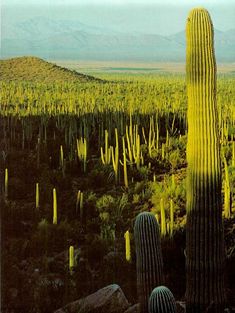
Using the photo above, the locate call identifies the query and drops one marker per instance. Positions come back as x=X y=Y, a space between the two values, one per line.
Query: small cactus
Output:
x=162 y=301
x=37 y=196
x=128 y=246
x=71 y=259
x=54 y=207
x=149 y=262
x=6 y=184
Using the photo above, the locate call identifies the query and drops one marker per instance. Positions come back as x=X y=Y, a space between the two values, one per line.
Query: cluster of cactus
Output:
x=82 y=152
x=205 y=253
x=106 y=153
x=167 y=227
x=110 y=153
x=153 y=138
x=135 y=154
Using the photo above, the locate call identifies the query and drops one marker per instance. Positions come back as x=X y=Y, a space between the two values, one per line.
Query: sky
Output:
x=162 y=17
x=120 y=2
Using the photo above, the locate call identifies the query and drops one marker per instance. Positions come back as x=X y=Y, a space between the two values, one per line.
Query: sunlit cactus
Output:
x=115 y=156
x=162 y=301
x=62 y=163
x=227 y=192
x=128 y=246
x=149 y=263
x=54 y=206
x=171 y=217
x=71 y=259
x=37 y=196
x=106 y=154
x=82 y=152
x=81 y=206
x=6 y=184
x=78 y=200
x=233 y=154
x=163 y=218
x=204 y=231
x=124 y=163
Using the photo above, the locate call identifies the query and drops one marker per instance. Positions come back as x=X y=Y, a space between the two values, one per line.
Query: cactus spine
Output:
x=162 y=301
x=149 y=262
x=204 y=231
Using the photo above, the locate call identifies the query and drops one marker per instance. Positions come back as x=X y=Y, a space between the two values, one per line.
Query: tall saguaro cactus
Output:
x=204 y=233
x=149 y=263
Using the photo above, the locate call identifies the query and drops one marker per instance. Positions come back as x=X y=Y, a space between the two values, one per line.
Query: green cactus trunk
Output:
x=149 y=263
x=205 y=261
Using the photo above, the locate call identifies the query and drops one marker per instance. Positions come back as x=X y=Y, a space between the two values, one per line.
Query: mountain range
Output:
x=64 y=39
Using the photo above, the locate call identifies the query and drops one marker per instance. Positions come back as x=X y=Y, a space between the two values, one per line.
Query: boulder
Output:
x=109 y=299
x=133 y=309
x=180 y=307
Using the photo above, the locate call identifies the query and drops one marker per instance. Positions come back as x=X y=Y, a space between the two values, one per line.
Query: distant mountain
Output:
x=224 y=44
x=52 y=39
x=37 y=70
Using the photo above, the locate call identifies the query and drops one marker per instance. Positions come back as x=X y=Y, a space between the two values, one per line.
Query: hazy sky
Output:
x=145 y=16
x=110 y=2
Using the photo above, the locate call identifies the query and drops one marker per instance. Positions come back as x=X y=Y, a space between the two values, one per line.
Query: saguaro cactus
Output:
x=204 y=231
x=71 y=259
x=149 y=262
x=54 y=206
x=128 y=246
x=162 y=301
x=6 y=185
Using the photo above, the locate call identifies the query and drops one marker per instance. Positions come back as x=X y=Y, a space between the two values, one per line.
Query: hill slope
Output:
x=37 y=70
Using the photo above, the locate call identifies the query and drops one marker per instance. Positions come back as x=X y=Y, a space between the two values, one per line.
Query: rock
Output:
x=133 y=309
x=110 y=299
x=180 y=307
